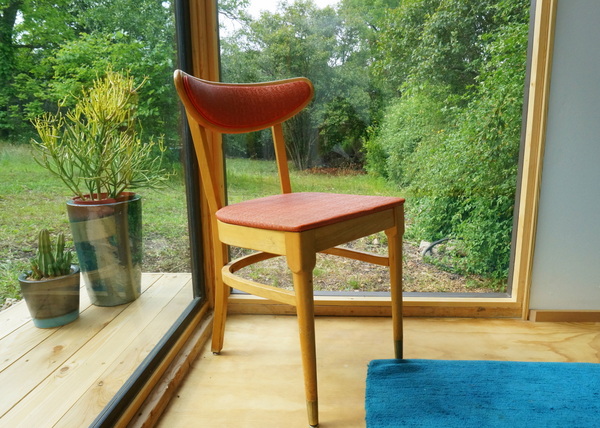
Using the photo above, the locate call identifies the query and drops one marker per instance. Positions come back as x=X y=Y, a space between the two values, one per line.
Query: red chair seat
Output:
x=297 y=212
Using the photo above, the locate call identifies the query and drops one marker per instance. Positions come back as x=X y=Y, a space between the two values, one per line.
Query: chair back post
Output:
x=207 y=146
x=281 y=157
x=208 y=169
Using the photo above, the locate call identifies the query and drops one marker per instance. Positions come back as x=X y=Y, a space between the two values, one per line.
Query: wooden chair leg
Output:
x=302 y=263
x=306 y=325
x=220 y=315
x=395 y=255
x=221 y=297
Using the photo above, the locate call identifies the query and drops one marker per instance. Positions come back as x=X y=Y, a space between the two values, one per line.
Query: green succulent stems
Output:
x=95 y=147
x=51 y=262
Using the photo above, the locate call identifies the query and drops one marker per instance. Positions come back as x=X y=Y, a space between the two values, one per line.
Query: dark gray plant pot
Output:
x=108 y=241
x=52 y=302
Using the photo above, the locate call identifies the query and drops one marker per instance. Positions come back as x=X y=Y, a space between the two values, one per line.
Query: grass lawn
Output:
x=247 y=178
x=31 y=199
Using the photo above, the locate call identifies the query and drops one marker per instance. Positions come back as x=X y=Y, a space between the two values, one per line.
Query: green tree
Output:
x=356 y=97
x=436 y=41
x=480 y=157
x=56 y=47
x=298 y=40
x=418 y=116
x=28 y=30
x=79 y=62
x=9 y=11
x=303 y=40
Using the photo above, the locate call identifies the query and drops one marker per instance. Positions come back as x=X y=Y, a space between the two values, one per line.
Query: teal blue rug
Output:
x=482 y=394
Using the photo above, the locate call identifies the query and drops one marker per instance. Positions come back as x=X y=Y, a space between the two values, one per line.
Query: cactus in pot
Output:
x=48 y=263
x=51 y=287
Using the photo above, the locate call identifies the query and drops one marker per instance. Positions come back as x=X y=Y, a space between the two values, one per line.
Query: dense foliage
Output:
x=426 y=93
x=53 y=49
x=325 y=45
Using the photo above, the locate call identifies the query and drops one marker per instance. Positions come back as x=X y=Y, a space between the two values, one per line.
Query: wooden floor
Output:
x=257 y=380
x=63 y=377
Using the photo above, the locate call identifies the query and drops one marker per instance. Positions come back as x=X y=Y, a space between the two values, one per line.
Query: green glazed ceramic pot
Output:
x=108 y=241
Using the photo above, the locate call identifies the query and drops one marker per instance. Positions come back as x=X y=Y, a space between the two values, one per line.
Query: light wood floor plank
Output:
x=116 y=374
x=11 y=320
x=57 y=393
x=47 y=356
x=103 y=345
x=16 y=336
x=257 y=382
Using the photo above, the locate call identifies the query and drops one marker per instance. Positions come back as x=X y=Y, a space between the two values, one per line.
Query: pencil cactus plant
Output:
x=51 y=262
x=95 y=147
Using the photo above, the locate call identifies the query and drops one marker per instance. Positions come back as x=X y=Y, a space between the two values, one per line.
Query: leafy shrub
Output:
x=416 y=117
x=458 y=153
x=473 y=175
x=342 y=134
x=254 y=145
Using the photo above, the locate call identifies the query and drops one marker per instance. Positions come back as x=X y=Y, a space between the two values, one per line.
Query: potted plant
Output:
x=51 y=287
x=96 y=149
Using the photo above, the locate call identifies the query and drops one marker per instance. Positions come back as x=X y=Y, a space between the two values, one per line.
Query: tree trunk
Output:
x=8 y=19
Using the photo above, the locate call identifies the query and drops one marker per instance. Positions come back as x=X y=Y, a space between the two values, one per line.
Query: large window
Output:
x=41 y=66
x=420 y=99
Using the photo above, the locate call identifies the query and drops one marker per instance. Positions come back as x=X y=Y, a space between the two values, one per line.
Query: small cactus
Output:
x=48 y=264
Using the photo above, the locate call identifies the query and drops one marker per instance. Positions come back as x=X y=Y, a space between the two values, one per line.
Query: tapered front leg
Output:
x=220 y=315
x=301 y=260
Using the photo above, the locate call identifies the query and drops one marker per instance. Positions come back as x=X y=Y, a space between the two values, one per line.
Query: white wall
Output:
x=566 y=266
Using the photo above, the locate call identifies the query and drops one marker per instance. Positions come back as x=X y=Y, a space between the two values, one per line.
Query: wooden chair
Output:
x=294 y=225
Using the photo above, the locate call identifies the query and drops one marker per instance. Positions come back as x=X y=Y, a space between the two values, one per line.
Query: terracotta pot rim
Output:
x=123 y=197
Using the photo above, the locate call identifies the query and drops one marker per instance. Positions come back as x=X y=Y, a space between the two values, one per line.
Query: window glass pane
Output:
x=421 y=99
x=55 y=51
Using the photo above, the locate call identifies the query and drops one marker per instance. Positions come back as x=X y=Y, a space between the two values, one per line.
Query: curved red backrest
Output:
x=236 y=108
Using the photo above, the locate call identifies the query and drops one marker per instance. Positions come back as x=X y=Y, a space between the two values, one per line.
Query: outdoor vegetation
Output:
x=427 y=94
x=418 y=98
